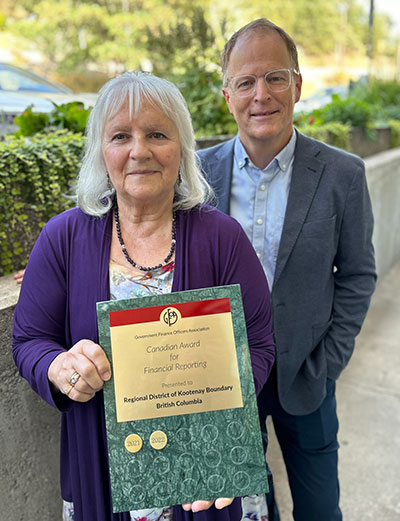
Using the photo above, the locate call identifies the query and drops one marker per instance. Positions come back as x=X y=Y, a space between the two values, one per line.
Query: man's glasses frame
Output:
x=271 y=86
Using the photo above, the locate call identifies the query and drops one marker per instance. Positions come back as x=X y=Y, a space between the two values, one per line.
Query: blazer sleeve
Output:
x=354 y=275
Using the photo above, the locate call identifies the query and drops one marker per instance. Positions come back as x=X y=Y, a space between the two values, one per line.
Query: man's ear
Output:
x=227 y=99
x=298 y=84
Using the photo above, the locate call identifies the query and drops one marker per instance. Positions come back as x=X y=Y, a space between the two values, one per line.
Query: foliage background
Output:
x=82 y=43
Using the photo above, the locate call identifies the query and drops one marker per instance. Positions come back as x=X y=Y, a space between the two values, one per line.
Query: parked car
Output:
x=20 y=88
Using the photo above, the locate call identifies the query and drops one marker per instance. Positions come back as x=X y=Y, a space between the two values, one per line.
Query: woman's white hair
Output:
x=94 y=190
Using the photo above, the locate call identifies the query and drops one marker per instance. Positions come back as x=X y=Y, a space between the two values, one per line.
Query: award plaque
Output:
x=181 y=412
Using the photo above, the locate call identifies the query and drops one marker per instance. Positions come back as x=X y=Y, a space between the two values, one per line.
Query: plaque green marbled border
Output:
x=209 y=454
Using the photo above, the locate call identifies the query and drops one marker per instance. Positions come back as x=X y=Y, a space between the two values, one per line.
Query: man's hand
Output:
x=199 y=505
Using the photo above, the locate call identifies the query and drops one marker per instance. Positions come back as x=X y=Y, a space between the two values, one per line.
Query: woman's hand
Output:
x=19 y=276
x=197 y=506
x=81 y=371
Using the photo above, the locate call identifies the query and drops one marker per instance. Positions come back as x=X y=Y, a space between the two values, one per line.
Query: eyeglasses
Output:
x=276 y=81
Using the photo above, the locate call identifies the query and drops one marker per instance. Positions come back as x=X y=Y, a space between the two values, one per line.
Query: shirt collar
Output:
x=282 y=159
x=240 y=153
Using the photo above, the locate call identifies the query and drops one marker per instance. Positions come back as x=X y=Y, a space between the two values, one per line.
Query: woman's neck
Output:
x=145 y=219
x=147 y=235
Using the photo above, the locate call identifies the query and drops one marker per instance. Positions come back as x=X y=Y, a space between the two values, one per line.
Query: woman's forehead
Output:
x=132 y=104
x=146 y=113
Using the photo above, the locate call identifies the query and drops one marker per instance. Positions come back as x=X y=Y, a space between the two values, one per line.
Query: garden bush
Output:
x=70 y=116
x=334 y=133
x=394 y=125
x=202 y=90
x=36 y=178
x=350 y=111
x=370 y=106
x=383 y=93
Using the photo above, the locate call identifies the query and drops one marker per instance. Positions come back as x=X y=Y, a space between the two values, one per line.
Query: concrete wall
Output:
x=29 y=428
x=29 y=434
x=383 y=175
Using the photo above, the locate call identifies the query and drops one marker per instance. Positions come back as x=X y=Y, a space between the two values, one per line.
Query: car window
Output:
x=10 y=80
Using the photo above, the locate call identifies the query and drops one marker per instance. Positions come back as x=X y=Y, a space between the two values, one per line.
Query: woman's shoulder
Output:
x=71 y=217
x=74 y=222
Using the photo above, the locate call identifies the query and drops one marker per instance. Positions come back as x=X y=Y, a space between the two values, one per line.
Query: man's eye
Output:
x=279 y=78
x=245 y=83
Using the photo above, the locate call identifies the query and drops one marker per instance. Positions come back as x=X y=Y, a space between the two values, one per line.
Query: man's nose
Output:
x=262 y=92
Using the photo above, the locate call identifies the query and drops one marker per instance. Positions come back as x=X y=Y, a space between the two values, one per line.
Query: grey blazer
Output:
x=325 y=272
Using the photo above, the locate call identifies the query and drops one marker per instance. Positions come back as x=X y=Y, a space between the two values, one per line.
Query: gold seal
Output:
x=158 y=440
x=133 y=443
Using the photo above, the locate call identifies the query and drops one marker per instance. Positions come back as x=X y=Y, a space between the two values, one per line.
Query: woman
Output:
x=140 y=229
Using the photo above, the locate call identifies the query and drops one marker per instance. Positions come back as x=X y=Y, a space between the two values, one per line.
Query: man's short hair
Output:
x=259 y=25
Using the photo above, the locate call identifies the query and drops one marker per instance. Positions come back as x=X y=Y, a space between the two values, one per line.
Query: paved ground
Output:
x=368 y=395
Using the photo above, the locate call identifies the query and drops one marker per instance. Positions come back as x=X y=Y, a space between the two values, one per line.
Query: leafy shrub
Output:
x=378 y=92
x=336 y=134
x=36 y=175
x=351 y=111
x=370 y=106
x=394 y=125
x=389 y=112
x=202 y=90
x=70 y=116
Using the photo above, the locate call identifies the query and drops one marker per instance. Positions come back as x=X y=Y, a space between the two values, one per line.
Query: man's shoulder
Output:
x=325 y=152
x=224 y=148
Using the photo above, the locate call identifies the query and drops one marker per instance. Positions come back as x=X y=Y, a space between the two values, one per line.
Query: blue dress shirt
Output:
x=259 y=199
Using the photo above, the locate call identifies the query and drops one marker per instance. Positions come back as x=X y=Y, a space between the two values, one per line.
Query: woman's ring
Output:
x=74 y=378
x=67 y=391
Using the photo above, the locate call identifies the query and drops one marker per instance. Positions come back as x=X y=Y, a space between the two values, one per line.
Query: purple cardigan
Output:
x=67 y=273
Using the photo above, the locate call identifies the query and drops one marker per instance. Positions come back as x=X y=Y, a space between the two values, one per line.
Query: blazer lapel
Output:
x=307 y=170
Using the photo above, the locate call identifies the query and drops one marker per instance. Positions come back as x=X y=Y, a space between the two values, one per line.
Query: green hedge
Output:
x=36 y=175
x=394 y=125
x=336 y=134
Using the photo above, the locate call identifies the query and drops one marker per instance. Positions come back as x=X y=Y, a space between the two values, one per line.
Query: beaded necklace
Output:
x=126 y=254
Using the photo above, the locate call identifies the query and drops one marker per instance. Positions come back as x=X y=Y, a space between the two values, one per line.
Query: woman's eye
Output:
x=158 y=135
x=119 y=137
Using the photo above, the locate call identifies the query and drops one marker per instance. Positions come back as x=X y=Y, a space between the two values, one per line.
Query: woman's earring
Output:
x=179 y=180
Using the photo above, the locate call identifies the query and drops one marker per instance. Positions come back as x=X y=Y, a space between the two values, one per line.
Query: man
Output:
x=306 y=208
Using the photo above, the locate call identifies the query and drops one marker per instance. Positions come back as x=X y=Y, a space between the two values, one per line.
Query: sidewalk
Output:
x=368 y=395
